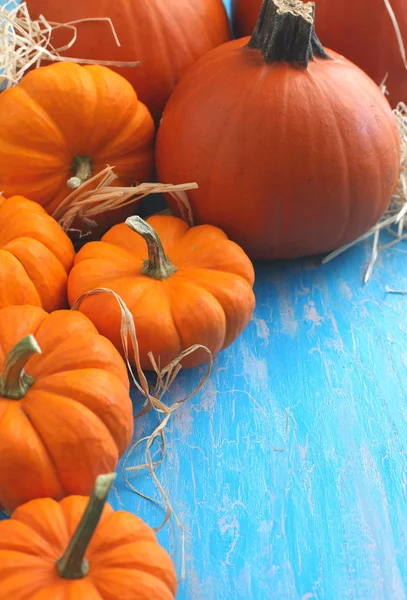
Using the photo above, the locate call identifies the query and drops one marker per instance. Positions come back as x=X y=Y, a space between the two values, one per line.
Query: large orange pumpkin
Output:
x=184 y=286
x=63 y=124
x=79 y=549
x=295 y=152
x=65 y=413
x=361 y=30
x=166 y=36
x=36 y=256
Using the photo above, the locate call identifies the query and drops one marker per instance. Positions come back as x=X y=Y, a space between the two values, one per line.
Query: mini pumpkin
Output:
x=63 y=124
x=65 y=410
x=166 y=36
x=36 y=256
x=80 y=548
x=295 y=150
x=183 y=285
x=361 y=30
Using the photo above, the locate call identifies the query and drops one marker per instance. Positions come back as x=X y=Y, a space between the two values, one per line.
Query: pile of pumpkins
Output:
x=295 y=151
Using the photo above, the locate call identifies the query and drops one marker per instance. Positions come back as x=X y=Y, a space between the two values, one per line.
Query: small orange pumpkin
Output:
x=65 y=410
x=81 y=549
x=183 y=286
x=63 y=124
x=36 y=256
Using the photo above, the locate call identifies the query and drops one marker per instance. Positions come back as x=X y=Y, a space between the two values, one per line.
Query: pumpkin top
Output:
x=66 y=121
x=81 y=548
x=65 y=410
x=183 y=285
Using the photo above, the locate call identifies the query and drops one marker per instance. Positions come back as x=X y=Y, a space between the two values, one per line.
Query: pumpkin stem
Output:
x=82 y=165
x=285 y=32
x=158 y=264
x=14 y=382
x=73 y=564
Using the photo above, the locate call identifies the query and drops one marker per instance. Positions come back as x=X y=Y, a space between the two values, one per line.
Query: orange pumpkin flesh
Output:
x=79 y=549
x=197 y=289
x=361 y=30
x=36 y=256
x=65 y=414
x=291 y=160
x=167 y=37
x=64 y=118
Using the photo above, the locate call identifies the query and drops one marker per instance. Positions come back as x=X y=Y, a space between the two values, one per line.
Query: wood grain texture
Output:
x=288 y=471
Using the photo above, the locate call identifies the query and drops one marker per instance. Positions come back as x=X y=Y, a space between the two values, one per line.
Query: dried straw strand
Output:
x=153 y=401
x=85 y=204
x=25 y=43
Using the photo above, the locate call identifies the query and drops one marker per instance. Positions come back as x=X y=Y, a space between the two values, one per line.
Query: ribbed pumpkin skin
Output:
x=125 y=560
x=361 y=30
x=36 y=256
x=166 y=36
x=64 y=110
x=209 y=299
x=75 y=421
x=289 y=162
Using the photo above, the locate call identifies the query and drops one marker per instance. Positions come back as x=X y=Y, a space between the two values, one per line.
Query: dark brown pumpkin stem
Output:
x=14 y=382
x=73 y=564
x=158 y=265
x=82 y=167
x=285 y=32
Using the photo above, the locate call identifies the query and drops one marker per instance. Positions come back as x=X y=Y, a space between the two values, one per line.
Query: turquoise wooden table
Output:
x=288 y=469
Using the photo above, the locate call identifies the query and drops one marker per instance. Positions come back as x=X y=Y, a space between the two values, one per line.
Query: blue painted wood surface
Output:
x=288 y=470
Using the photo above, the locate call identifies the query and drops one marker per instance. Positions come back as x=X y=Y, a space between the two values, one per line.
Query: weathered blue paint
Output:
x=288 y=471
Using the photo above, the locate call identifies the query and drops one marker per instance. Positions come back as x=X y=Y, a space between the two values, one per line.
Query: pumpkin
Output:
x=65 y=411
x=183 y=286
x=36 y=256
x=63 y=124
x=361 y=30
x=295 y=152
x=80 y=548
x=167 y=37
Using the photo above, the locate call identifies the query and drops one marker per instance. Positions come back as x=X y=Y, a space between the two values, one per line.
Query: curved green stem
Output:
x=82 y=166
x=158 y=265
x=14 y=382
x=73 y=564
x=285 y=32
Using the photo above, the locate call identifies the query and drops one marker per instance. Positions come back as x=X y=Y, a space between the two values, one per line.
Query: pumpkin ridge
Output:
x=4 y=249
x=344 y=163
x=43 y=387
x=72 y=401
x=155 y=585
x=36 y=433
x=35 y=101
x=196 y=285
x=166 y=16
x=32 y=532
x=44 y=294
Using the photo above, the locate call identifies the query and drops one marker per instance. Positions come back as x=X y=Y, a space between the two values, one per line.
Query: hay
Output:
x=85 y=204
x=153 y=401
x=25 y=43
x=394 y=221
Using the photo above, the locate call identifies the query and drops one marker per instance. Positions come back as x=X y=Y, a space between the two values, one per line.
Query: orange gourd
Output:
x=166 y=36
x=36 y=256
x=80 y=549
x=63 y=124
x=65 y=411
x=361 y=30
x=295 y=151
x=183 y=286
